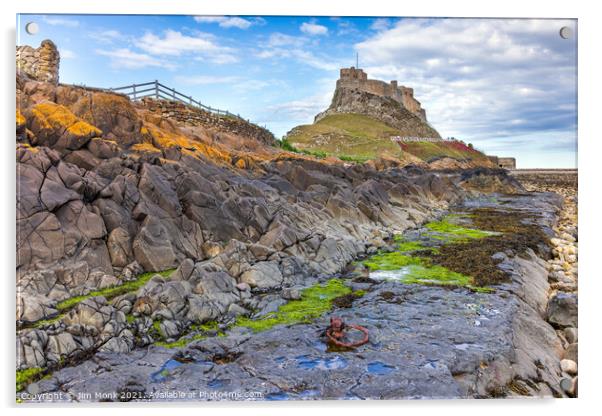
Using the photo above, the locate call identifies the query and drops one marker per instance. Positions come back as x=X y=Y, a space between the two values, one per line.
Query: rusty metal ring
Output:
x=335 y=341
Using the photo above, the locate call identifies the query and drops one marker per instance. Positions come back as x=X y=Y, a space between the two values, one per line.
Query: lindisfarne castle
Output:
x=356 y=78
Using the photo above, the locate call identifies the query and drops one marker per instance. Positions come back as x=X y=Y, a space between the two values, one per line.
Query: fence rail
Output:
x=158 y=91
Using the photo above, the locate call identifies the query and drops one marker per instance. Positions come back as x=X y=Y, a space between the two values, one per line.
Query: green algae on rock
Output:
x=109 y=293
x=390 y=261
x=196 y=332
x=315 y=301
x=447 y=230
x=28 y=376
x=113 y=291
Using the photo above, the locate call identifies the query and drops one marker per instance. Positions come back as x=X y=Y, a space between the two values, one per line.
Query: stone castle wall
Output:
x=353 y=78
x=41 y=64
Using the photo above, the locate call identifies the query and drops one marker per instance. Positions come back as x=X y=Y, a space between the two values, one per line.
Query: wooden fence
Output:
x=158 y=91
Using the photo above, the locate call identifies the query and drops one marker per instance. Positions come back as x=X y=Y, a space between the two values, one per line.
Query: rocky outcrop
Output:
x=88 y=206
x=193 y=116
x=41 y=64
x=107 y=190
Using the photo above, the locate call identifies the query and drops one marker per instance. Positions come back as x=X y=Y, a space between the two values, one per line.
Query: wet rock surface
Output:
x=425 y=342
x=143 y=242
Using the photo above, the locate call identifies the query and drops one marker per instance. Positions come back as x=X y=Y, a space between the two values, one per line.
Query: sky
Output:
x=509 y=87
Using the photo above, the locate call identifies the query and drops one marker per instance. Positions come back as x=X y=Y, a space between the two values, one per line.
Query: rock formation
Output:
x=41 y=64
x=135 y=227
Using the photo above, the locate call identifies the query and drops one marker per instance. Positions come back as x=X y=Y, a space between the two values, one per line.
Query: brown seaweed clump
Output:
x=518 y=233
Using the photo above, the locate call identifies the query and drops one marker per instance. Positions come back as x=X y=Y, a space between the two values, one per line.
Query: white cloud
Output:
x=302 y=110
x=312 y=28
x=126 y=59
x=107 y=36
x=380 y=24
x=282 y=46
x=301 y=56
x=66 y=53
x=60 y=21
x=174 y=43
x=228 y=22
x=281 y=39
x=206 y=80
x=481 y=79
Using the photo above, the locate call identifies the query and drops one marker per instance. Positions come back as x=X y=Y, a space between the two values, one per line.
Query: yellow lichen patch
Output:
x=145 y=147
x=163 y=139
x=20 y=119
x=28 y=147
x=57 y=117
x=81 y=128
x=240 y=164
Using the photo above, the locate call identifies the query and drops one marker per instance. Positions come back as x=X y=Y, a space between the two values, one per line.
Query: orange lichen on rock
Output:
x=162 y=139
x=59 y=118
x=145 y=148
x=20 y=120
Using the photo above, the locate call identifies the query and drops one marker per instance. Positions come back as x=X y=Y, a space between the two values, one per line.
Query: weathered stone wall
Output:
x=353 y=78
x=197 y=117
x=503 y=162
x=507 y=162
x=41 y=64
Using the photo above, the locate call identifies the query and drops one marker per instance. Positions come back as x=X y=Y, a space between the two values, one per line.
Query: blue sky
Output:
x=507 y=86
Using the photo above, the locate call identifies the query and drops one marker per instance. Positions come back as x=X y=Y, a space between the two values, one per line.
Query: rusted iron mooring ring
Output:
x=336 y=333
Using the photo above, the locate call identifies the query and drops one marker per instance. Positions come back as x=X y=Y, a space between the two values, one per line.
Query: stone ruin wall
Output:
x=41 y=64
x=357 y=78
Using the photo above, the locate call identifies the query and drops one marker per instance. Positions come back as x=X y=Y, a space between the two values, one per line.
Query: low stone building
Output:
x=503 y=162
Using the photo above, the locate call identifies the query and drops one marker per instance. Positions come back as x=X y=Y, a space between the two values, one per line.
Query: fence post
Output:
x=173 y=93
x=134 y=89
x=156 y=90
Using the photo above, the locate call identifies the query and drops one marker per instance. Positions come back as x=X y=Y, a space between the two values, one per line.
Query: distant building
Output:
x=503 y=162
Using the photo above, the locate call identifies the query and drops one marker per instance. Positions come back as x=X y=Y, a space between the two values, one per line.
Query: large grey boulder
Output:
x=263 y=275
x=152 y=247
x=120 y=247
x=32 y=307
x=562 y=309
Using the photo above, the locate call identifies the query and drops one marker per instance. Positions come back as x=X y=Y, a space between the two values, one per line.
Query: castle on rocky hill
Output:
x=356 y=78
x=389 y=103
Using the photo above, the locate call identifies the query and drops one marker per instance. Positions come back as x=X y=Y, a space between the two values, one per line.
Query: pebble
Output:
x=567 y=237
x=568 y=385
x=568 y=366
x=571 y=335
x=555 y=241
x=571 y=352
x=290 y=294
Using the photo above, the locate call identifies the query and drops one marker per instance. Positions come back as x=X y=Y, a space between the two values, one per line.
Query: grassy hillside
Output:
x=359 y=137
